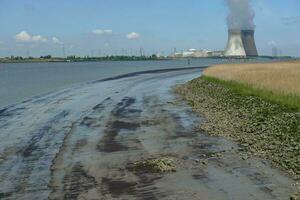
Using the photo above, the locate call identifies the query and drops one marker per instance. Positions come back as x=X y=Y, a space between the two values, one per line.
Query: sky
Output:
x=101 y=27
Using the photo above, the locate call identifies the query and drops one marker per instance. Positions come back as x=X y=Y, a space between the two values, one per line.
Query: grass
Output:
x=290 y=101
x=276 y=82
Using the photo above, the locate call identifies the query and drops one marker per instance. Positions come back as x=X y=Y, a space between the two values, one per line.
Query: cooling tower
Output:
x=249 y=43
x=241 y=43
x=235 y=45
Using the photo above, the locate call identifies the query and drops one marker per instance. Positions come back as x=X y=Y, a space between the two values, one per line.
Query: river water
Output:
x=24 y=80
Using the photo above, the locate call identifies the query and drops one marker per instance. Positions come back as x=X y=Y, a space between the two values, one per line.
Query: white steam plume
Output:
x=241 y=15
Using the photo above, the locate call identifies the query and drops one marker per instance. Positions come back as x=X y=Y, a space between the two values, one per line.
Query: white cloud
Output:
x=23 y=36
x=106 y=44
x=133 y=36
x=55 y=40
x=102 y=32
x=38 y=38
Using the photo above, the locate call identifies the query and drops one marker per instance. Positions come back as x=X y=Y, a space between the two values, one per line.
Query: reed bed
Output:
x=277 y=82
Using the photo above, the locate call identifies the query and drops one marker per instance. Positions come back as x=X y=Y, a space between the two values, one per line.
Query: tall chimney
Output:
x=249 y=42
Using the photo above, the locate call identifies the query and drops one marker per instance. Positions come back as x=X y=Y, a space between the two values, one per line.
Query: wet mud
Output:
x=82 y=145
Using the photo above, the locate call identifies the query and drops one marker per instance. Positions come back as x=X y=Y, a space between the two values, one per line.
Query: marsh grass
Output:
x=276 y=82
x=290 y=101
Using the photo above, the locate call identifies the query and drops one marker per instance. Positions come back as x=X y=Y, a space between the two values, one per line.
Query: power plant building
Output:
x=241 y=43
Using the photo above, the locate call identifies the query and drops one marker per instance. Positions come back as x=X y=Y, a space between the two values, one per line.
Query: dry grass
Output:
x=280 y=77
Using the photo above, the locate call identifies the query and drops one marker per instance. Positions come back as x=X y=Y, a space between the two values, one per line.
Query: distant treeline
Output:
x=49 y=58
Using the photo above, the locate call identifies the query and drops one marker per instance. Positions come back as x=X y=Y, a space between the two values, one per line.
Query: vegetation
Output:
x=49 y=58
x=158 y=165
x=237 y=111
x=275 y=82
x=289 y=101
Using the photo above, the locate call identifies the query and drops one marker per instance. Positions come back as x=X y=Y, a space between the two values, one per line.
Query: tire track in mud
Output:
x=68 y=179
x=29 y=158
x=125 y=119
x=96 y=147
x=122 y=142
x=120 y=138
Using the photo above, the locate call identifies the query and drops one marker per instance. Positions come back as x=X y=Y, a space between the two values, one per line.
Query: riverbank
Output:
x=277 y=82
x=126 y=137
x=264 y=127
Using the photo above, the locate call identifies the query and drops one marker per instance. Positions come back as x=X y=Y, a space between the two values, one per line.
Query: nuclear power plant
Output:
x=241 y=43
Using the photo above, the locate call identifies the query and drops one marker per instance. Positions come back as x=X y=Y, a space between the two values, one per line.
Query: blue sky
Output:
x=96 y=27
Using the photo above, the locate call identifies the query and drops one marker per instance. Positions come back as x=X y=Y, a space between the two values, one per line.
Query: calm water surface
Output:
x=24 y=80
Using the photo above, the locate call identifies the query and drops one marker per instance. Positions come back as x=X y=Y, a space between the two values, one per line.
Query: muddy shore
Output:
x=264 y=129
x=98 y=140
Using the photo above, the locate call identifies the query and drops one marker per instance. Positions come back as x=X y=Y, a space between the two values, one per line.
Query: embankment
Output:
x=245 y=103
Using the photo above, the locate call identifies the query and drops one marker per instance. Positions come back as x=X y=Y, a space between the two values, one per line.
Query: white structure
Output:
x=241 y=43
x=194 y=53
x=235 y=45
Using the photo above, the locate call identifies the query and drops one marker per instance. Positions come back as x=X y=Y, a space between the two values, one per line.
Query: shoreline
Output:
x=262 y=128
x=126 y=75
x=135 y=58
x=127 y=138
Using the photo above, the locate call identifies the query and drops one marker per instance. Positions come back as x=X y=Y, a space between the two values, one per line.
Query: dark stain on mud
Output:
x=121 y=110
x=77 y=182
x=261 y=181
x=93 y=122
x=118 y=187
x=2 y=111
x=109 y=142
x=33 y=144
x=79 y=144
x=88 y=121
x=183 y=134
x=4 y=195
x=101 y=105
x=118 y=125
x=11 y=111
x=143 y=188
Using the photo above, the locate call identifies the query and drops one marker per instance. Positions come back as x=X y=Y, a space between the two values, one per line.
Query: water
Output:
x=24 y=80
